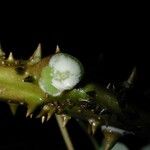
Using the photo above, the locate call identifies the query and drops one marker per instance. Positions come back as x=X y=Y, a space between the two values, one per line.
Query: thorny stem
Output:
x=86 y=101
x=64 y=133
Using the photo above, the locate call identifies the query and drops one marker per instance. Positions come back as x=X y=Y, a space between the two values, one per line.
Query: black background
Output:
x=109 y=42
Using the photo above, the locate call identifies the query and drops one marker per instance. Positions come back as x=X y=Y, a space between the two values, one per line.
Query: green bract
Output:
x=62 y=73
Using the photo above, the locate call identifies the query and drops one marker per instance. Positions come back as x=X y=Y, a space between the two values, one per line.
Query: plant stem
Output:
x=64 y=133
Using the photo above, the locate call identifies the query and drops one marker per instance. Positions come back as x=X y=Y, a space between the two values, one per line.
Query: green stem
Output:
x=64 y=133
x=15 y=89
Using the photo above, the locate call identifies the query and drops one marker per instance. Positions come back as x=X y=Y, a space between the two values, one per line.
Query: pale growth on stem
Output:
x=62 y=73
x=66 y=71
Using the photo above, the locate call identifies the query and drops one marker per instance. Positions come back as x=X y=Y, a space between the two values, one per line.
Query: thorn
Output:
x=130 y=81
x=36 y=57
x=13 y=108
x=30 y=110
x=28 y=114
x=108 y=86
x=48 y=110
x=114 y=87
x=132 y=76
x=21 y=103
x=94 y=128
x=2 y=54
x=31 y=116
x=103 y=111
x=10 y=57
x=43 y=119
x=42 y=112
x=49 y=114
x=65 y=119
x=111 y=136
x=93 y=125
x=57 y=49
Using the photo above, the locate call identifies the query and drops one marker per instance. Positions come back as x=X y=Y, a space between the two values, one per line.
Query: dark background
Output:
x=108 y=42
